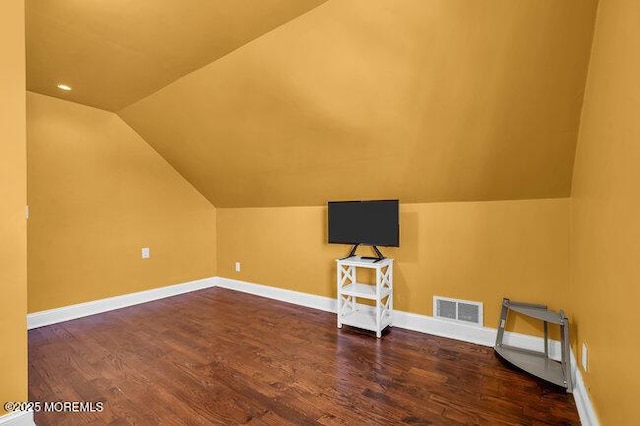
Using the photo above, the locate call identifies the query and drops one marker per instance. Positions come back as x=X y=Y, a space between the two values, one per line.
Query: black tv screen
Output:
x=373 y=223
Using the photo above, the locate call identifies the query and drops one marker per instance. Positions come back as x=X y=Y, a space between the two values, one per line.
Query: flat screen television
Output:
x=373 y=223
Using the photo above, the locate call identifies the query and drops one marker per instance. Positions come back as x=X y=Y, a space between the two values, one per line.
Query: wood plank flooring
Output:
x=218 y=356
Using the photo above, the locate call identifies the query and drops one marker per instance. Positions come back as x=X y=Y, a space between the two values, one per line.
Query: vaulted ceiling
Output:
x=423 y=100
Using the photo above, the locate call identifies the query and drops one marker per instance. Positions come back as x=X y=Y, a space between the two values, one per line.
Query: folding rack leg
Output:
x=502 y=322
x=566 y=357
x=546 y=339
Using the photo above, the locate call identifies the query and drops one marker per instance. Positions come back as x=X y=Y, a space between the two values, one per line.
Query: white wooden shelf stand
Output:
x=374 y=318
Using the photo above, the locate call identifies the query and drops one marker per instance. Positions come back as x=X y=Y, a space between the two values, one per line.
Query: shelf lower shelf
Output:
x=365 y=319
x=534 y=363
x=366 y=291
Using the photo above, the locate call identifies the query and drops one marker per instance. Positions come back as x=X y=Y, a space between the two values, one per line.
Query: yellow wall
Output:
x=13 y=199
x=427 y=101
x=605 y=285
x=98 y=194
x=474 y=250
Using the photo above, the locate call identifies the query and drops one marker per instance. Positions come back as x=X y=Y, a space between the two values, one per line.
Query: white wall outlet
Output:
x=26 y=212
x=146 y=252
x=585 y=356
x=237 y=266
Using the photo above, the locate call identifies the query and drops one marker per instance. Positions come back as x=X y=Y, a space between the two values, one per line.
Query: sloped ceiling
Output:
x=423 y=100
x=439 y=100
x=115 y=52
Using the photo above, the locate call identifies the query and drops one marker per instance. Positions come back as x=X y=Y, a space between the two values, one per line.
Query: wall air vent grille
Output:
x=446 y=309
x=463 y=311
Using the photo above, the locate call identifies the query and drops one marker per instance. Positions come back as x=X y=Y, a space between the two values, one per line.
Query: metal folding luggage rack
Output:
x=534 y=362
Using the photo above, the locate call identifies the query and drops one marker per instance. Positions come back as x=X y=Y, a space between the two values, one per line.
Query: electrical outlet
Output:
x=585 y=356
x=237 y=266
x=146 y=252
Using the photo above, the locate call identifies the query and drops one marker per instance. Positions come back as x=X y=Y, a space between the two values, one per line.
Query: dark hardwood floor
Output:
x=221 y=357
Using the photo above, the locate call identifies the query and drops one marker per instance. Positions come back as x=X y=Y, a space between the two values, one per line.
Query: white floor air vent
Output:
x=463 y=311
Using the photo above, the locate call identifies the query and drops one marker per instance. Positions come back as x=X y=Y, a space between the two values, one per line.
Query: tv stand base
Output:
x=379 y=256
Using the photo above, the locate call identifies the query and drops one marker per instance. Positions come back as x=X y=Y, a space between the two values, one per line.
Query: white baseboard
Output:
x=586 y=410
x=322 y=303
x=18 y=418
x=66 y=313
x=485 y=336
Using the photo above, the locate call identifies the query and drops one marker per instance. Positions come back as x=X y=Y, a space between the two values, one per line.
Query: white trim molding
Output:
x=588 y=416
x=18 y=418
x=485 y=336
x=66 y=313
x=323 y=303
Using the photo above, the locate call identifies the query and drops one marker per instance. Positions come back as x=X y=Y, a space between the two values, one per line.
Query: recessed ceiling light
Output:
x=64 y=87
